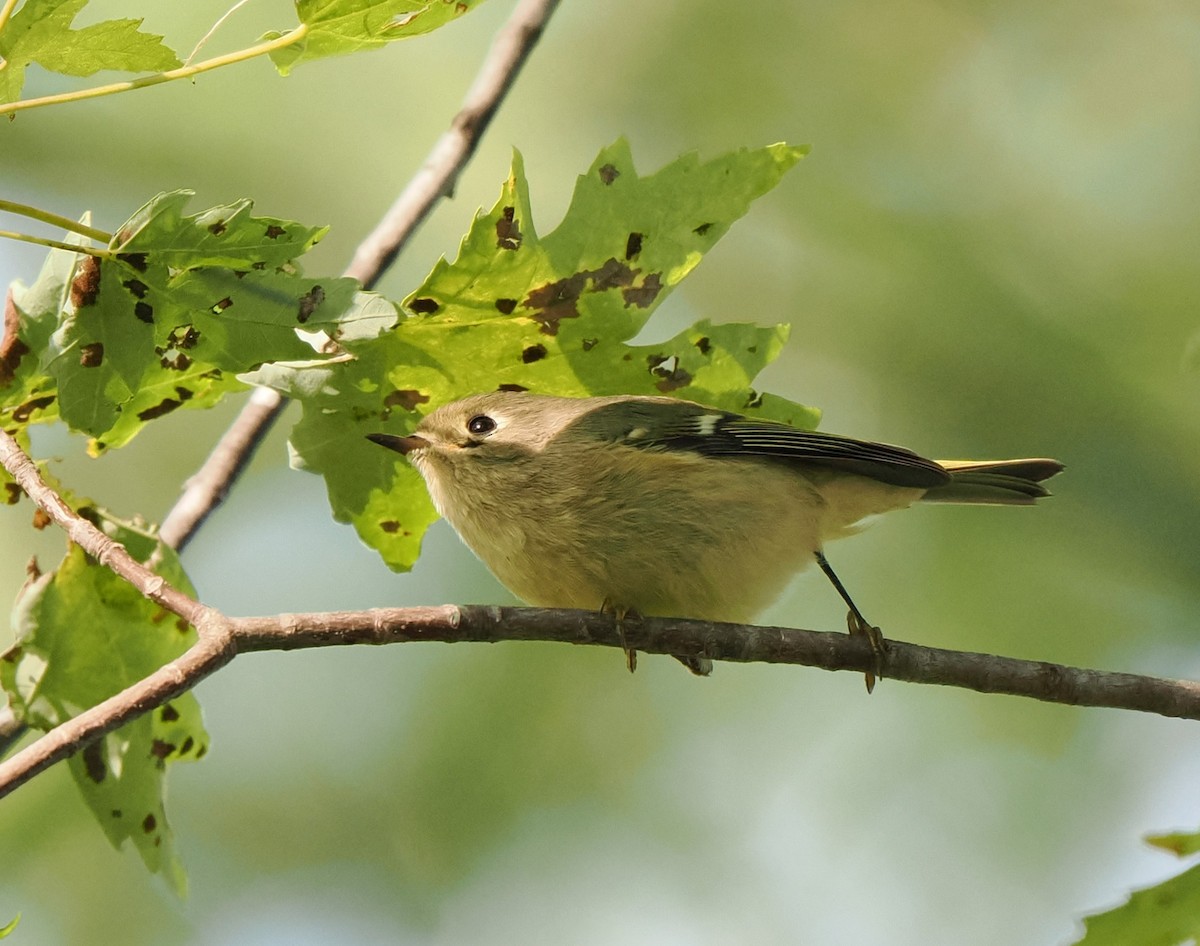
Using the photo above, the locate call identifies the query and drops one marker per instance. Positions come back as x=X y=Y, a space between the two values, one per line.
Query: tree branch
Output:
x=436 y=178
x=221 y=638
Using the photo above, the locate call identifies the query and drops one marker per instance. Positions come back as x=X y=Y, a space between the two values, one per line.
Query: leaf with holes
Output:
x=83 y=635
x=182 y=305
x=551 y=314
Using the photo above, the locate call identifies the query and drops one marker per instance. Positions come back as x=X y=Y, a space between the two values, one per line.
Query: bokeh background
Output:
x=991 y=251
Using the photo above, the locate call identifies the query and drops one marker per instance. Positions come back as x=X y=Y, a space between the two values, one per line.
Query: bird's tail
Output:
x=994 y=482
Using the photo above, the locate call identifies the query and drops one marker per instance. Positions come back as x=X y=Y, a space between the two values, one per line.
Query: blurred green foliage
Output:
x=990 y=251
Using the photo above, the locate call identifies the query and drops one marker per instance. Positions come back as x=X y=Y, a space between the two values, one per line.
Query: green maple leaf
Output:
x=83 y=635
x=41 y=32
x=182 y=305
x=336 y=27
x=551 y=314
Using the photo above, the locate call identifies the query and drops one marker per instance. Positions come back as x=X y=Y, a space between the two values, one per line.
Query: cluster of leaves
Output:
x=178 y=310
x=42 y=32
x=554 y=314
x=84 y=634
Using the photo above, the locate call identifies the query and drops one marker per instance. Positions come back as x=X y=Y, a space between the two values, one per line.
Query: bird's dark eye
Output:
x=481 y=424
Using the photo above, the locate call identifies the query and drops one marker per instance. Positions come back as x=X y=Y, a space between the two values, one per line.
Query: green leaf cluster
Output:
x=83 y=635
x=165 y=318
x=553 y=314
x=179 y=309
x=40 y=32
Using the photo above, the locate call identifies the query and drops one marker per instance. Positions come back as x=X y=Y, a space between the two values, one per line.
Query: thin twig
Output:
x=435 y=179
x=264 y=48
x=212 y=32
x=56 y=220
x=221 y=638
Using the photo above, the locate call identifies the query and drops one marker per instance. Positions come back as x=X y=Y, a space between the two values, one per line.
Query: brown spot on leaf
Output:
x=274 y=232
x=671 y=375
x=755 y=399
x=12 y=494
x=753 y=349
x=309 y=303
x=558 y=300
x=183 y=336
x=12 y=349
x=92 y=355
x=644 y=295
x=144 y=311
x=187 y=746
x=704 y=344
x=136 y=260
x=608 y=174
x=137 y=287
x=612 y=275
x=589 y=343
x=86 y=284
x=633 y=245
x=41 y=519
x=533 y=353
x=168 y=714
x=390 y=526
x=406 y=398
x=221 y=305
x=12 y=655
x=508 y=230
x=702 y=229
x=149 y=823
x=117 y=813
x=160 y=749
x=180 y=362
x=506 y=306
x=161 y=409
x=93 y=761
x=22 y=412
x=424 y=306
x=216 y=229
x=514 y=388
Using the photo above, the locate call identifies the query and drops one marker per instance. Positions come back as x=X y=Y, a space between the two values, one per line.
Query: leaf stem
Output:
x=58 y=244
x=63 y=223
x=183 y=72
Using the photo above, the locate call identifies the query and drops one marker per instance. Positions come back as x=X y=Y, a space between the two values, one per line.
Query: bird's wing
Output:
x=731 y=435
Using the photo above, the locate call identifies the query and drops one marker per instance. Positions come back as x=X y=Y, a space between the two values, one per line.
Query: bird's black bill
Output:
x=403 y=445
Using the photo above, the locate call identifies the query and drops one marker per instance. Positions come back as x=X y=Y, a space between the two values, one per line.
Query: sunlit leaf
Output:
x=553 y=315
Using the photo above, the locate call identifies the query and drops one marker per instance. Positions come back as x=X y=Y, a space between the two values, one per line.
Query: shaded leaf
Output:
x=83 y=635
x=1167 y=914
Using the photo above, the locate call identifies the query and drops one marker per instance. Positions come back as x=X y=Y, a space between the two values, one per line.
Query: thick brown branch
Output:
x=510 y=48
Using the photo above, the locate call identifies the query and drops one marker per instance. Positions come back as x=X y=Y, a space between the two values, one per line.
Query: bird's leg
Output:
x=619 y=613
x=856 y=623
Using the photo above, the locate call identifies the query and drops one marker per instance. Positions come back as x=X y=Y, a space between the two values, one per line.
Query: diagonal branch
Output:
x=510 y=48
x=222 y=638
